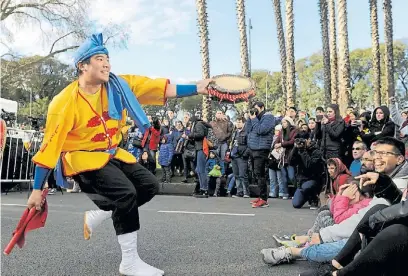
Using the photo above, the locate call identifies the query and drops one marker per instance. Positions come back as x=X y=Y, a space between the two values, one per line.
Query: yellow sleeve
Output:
x=148 y=91
x=60 y=120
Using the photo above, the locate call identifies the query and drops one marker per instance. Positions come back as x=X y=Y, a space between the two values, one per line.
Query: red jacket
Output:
x=154 y=139
x=341 y=208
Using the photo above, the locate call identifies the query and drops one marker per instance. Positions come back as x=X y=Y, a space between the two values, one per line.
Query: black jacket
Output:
x=199 y=131
x=331 y=135
x=239 y=147
x=395 y=214
x=308 y=162
x=379 y=129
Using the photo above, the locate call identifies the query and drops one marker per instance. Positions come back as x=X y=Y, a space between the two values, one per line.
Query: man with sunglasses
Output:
x=359 y=148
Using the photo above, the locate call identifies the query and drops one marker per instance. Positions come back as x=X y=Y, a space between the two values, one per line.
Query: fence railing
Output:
x=20 y=147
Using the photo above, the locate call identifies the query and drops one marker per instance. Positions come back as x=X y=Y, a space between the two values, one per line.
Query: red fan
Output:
x=30 y=220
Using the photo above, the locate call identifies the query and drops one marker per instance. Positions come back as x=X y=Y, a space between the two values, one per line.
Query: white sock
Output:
x=131 y=263
x=92 y=219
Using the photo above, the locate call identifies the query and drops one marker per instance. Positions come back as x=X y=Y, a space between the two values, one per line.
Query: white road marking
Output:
x=207 y=213
x=10 y=204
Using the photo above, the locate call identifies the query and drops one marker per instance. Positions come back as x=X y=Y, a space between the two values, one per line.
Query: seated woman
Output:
x=381 y=237
x=347 y=203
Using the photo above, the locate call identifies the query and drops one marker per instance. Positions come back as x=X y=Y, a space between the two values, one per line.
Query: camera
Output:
x=8 y=117
x=357 y=123
x=254 y=111
x=35 y=123
x=300 y=142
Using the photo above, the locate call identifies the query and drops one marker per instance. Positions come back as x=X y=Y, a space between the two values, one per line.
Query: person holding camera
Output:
x=260 y=130
x=307 y=157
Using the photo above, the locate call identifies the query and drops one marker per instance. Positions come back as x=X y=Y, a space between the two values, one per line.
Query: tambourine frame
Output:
x=231 y=95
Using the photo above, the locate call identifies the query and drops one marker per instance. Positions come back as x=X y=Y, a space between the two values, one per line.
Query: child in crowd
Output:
x=214 y=169
x=165 y=157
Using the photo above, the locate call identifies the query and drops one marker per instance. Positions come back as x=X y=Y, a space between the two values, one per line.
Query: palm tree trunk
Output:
x=290 y=61
x=344 y=58
x=389 y=54
x=245 y=70
x=375 y=48
x=326 y=50
x=281 y=41
x=240 y=5
x=202 y=19
x=334 y=78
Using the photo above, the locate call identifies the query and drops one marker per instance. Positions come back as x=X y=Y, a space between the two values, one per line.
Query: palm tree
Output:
x=344 y=57
x=334 y=78
x=375 y=47
x=243 y=37
x=202 y=19
x=281 y=41
x=326 y=49
x=389 y=55
x=290 y=61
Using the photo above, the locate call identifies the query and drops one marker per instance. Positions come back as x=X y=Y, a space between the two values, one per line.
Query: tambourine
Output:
x=231 y=88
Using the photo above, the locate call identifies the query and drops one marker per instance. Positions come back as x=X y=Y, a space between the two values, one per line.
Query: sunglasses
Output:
x=357 y=148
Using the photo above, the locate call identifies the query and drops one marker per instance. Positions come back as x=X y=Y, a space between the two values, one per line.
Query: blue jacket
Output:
x=261 y=131
x=211 y=162
x=166 y=153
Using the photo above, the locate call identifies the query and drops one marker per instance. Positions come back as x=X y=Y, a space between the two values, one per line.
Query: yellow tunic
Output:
x=78 y=124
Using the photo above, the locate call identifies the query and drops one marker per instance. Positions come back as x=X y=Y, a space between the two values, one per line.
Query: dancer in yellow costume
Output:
x=83 y=128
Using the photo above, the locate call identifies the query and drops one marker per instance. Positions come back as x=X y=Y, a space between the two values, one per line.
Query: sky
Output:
x=163 y=34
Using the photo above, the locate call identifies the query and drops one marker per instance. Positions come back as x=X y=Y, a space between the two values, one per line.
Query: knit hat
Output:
x=278 y=127
x=289 y=120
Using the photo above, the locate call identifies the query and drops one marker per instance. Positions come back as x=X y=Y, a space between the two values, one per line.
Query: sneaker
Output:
x=52 y=191
x=313 y=204
x=246 y=196
x=260 y=204
x=287 y=241
x=275 y=256
x=237 y=195
x=184 y=180
x=201 y=194
x=285 y=197
x=254 y=201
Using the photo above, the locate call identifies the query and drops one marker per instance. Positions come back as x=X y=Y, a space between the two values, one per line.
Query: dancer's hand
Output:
x=35 y=200
x=202 y=86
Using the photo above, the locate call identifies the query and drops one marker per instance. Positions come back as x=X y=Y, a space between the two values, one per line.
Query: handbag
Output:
x=189 y=154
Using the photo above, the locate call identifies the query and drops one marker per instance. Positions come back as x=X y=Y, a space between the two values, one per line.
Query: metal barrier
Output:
x=16 y=166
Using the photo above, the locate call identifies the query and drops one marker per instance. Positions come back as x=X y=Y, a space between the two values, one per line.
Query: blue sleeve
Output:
x=40 y=177
x=171 y=150
x=267 y=126
x=207 y=166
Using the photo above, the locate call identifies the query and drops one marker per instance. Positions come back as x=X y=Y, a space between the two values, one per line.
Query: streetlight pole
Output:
x=249 y=46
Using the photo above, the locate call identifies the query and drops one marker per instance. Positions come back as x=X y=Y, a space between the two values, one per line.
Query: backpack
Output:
x=212 y=141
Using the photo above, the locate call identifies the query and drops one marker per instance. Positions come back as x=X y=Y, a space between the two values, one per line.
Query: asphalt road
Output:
x=178 y=243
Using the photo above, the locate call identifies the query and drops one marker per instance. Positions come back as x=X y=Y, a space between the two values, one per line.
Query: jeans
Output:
x=288 y=174
x=240 y=169
x=188 y=165
x=200 y=169
x=230 y=182
x=308 y=191
x=324 y=252
x=275 y=181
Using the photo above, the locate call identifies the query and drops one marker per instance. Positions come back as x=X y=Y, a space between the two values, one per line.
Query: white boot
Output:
x=92 y=219
x=131 y=264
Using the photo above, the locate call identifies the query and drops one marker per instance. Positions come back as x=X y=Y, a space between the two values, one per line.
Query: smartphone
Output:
x=319 y=118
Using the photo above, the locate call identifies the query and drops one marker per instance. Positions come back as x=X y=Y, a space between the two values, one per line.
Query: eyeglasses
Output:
x=367 y=160
x=357 y=148
x=384 y=153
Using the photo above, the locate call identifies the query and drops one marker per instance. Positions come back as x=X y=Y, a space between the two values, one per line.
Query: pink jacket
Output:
x=341 y=209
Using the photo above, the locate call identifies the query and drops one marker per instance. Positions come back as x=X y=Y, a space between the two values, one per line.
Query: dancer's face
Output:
x=97 y=71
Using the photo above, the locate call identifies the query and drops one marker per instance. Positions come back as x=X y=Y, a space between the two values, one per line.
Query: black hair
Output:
x=399 y=146
x=85 y=61
x=294 y=108
x=241 y=118
x=258 y=104
x=331 y=162
x=319 y=108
